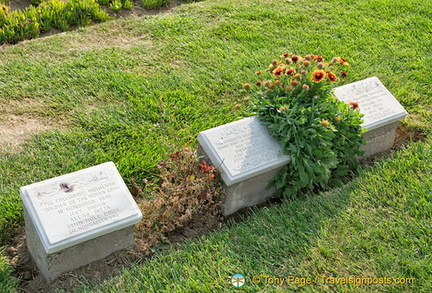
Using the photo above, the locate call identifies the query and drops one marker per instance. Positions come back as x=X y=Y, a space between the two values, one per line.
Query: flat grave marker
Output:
x=247 y=156
x=242 y=149
x=377 y=104
x=382 y=112
x=68 y=211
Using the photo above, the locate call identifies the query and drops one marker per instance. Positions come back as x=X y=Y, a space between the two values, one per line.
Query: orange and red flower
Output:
x=318 y=75
x=354 y=105
x=343 y=61
x=278 y=71
x=318 y=58
x=290 y=71
x=331 y=76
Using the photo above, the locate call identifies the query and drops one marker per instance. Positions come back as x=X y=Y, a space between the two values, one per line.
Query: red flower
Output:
x=295 y=58
x=354 y=105
x=343 y=74
x=343 y=61
x=332 y=77
x=318 y=58
x=318 y=75
x=278 y=71
x=295 y=82
x=290 y=71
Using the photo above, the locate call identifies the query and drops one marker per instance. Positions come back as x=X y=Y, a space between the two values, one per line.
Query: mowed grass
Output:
x=376 y=228
x=133 y=90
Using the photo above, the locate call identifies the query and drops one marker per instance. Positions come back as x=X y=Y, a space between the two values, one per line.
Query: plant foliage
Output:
x=154 y=3
x=186 y=187
x=320 y=134
x=19 y=25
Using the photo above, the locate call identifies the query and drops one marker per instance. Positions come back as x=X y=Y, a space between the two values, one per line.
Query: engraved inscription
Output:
x=375 y=101
x=79 y=205
x=69 y=187
x=249 y=147
x=371 y=101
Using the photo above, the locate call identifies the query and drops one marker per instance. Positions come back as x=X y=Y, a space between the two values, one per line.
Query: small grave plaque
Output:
x=248 y=158
x=242 y=149
x=377 y=104
x=73 y=208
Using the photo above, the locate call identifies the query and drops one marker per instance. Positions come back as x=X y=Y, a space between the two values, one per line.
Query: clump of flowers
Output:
x=293 y=99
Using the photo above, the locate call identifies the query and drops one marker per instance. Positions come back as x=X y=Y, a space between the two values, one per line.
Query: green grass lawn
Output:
x=132 y=90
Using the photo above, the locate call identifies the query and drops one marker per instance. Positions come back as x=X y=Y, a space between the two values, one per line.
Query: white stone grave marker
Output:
x=248 y=158
x=377 y=104
x=381 y=111
x=64 y=213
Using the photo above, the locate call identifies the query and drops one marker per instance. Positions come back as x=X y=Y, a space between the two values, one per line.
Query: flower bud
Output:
x=295 y=58
x=320 y=65
x=295 y=82
x=325 y=123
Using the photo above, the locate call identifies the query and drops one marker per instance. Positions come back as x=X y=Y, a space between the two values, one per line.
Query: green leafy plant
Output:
x=116 y=5
x=154 y=3
x=320 y=134
x=17 y=25
x=24 y=24
x=128 y=4
x=103 y=2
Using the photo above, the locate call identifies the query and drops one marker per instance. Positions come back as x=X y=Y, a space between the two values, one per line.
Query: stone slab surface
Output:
x=379 y=139
x=242 y=149
x=53 y=265
x=73 y=208
x=249 y=192
x=377 y=104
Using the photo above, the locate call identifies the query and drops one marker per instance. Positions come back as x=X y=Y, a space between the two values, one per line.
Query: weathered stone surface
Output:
x=248 y=158
x=376 y=103
x=77 y=218
x=381 y=112
x=53 y=265
x=242 y=149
